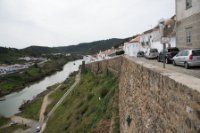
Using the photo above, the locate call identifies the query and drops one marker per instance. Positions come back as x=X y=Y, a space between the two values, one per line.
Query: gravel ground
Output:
x=192 y=71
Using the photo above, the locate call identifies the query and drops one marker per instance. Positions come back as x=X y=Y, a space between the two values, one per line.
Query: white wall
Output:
x=131 y=49
x=159 y=46
x=145 y=38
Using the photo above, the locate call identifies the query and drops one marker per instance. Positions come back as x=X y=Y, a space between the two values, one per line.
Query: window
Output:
x=185 y=53
x=153 y=50
x=189 y=35
x=188 y=4
x=180 y=53
x=196 y=52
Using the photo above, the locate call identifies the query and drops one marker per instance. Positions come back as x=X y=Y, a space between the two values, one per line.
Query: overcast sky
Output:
x=66 y=22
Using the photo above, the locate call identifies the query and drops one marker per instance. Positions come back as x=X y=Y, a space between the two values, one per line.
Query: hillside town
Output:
x=179 y=33
x=29 y=61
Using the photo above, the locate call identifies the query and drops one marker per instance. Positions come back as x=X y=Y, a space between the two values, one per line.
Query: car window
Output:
x=183 y=53
x=186 y=53
x=196 y=52
x=153 y=50
x=180 y=53
x=173 y=50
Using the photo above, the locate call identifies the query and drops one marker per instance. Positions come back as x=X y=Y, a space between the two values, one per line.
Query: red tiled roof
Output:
x=137 y=39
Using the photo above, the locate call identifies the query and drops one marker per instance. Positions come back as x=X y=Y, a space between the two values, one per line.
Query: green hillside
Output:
x=91 y=47
x=90 y=108
x=82 y=48
x=10 y=55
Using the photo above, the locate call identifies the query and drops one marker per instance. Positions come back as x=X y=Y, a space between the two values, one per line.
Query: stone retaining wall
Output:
x=152 y=99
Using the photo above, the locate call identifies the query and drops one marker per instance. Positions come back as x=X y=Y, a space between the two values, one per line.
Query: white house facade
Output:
x=132 y=47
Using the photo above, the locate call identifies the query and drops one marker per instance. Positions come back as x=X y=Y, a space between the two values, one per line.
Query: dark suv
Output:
x=169 y=54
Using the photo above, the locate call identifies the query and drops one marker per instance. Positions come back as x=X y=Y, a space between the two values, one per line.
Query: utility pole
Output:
x=164 y=54
x=161 y=25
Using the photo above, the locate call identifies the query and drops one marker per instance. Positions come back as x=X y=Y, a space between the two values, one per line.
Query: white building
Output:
x=89 y=59
x=155 y=41
x=188 y=23
x=6 y=69
x=132 y=47
x=105 y=54
x=151 y=38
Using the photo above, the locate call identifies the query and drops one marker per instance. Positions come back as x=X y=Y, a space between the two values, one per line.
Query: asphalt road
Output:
x=195 y=71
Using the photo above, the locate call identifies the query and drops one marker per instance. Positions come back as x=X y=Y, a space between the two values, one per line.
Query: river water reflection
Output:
x=13 y=101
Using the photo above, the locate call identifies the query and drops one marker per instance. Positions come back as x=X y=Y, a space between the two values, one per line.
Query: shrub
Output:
x=79 y=104
x=90 y=96
x=103 y=92
x=84 y=109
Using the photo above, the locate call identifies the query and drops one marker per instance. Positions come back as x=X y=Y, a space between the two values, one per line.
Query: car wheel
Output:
x=166 y=61
x=174 y=63
x=186 y=65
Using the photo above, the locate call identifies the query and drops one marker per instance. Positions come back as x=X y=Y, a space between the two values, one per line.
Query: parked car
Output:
x=187 y=58
x=119 y=52
x=12 y=123
x=151 y=53
x=140 y=54
x=38 y=128
x=169 y=54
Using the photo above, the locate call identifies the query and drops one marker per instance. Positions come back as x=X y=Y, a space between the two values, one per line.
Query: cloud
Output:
x=65 y=22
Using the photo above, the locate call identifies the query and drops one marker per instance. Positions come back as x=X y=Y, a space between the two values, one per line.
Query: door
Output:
x=177 y=58
x=184 y=57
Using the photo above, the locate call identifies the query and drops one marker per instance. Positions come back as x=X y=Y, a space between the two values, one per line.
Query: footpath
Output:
x=60 y=101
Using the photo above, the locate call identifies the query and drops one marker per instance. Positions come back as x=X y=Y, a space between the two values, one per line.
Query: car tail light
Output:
x=190 y=57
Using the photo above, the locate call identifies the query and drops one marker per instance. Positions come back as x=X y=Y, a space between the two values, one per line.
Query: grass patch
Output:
x=55 y=96
x=3 y=120
x=11 y=129
x=32 y=109
x=82 y=111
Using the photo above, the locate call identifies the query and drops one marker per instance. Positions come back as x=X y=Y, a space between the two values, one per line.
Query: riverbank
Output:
x=3 y=120
x=18 y=81
x=32 y=109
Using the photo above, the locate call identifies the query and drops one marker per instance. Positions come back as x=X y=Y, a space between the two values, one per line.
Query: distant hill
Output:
x=91 y=47
x=38 y=50
x=82 y=48
x=11 y=55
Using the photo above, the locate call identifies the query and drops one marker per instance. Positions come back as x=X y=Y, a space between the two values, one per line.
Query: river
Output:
x=13 y=101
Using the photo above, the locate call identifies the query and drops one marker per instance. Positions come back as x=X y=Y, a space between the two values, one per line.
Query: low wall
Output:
x=153 y=99
x=113 y=65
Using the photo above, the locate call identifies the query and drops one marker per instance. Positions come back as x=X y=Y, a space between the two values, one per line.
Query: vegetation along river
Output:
x=13 y=101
